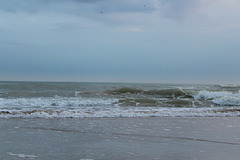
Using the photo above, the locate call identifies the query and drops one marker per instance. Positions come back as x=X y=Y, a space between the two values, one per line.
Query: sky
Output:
x=176 y=41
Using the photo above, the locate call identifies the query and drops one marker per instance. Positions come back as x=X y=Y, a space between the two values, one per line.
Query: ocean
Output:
x=79 y=100
x=105 y=121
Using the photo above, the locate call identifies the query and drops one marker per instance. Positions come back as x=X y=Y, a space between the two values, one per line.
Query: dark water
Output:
x=58 y=99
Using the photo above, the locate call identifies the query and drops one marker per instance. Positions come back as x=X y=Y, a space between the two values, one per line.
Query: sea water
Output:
x=161 y=138
x=53 y=120
x=78 y=100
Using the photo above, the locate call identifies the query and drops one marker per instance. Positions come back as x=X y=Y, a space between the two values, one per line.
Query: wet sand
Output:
x=211 y=138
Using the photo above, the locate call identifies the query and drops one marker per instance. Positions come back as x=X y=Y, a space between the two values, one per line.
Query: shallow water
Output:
x=206 y=138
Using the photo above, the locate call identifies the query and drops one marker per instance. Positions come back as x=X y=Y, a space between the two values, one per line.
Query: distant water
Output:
x=76 y=100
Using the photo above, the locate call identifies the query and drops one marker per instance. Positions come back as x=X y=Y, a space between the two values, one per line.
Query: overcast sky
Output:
x=120 y=40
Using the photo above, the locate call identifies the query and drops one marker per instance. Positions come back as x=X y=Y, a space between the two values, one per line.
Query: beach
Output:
x=119 y=121
x=119 y=80
x=164 y=138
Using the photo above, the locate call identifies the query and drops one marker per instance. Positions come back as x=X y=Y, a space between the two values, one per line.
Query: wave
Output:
x=166 y=93
x=125 y=102
x=163 y=112
x=222 y=98
x=137 y=98
x=55 y=102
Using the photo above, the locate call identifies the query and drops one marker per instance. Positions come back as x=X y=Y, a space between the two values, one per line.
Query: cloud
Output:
x=114 y=13
x=134 y=29
x=136 y=35
x=178 y=9
x=173 y=9
x=122 y=13
x=130 y=29
x=108 y=6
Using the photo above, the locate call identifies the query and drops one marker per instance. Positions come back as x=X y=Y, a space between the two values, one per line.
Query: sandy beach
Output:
x=208 y=138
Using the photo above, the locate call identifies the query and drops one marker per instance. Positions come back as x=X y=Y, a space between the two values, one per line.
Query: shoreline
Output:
x=182 y=138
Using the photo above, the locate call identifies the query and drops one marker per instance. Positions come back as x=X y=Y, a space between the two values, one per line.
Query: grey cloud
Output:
x=178 y=9
x=15 y=5
x=89 y=9
x=108 y=6
x=174 y=9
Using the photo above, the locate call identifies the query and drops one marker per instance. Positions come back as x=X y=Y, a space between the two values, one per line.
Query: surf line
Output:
x=136 y=135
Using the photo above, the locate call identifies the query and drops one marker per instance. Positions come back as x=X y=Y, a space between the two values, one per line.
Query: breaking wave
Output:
x=163 y=112
x=222 y=98
x=76 y=100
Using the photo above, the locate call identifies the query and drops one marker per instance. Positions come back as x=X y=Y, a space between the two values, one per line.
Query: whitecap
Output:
x=223 y=98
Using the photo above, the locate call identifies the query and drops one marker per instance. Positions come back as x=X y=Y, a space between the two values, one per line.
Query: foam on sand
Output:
x=22 y=155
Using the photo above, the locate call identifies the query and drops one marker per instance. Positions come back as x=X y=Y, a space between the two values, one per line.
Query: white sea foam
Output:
x=228 y=85
x=222 y=98
x=56 y=102
x=226 y=104
x=22 y=155
x=117 y=112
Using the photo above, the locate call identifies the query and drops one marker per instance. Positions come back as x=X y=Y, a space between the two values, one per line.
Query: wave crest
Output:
x=222 y=98
x=165 y=93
